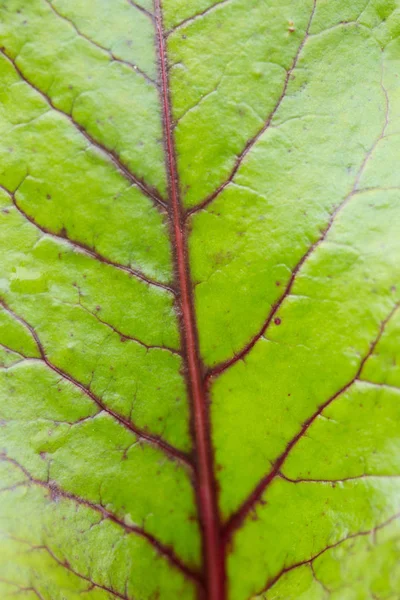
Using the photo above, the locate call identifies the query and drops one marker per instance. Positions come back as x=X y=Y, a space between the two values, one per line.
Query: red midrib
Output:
x=213 y=554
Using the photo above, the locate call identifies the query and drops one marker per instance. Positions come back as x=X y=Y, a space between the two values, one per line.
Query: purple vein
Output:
x=220 y=368
x=65 y=564
x=124 y=337
x=197 y=16
x=340 y=480
x=83 y=248
x=93 y=584
x=111 y=154
x=57 y=492
x=252 y=141
x=237 y=518
x=11 y=350
x=141 y=9
x=21 y=588
x=154 y=440
x=112 y=56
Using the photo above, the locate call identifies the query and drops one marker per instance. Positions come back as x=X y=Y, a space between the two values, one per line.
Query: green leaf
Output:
x=199 y=301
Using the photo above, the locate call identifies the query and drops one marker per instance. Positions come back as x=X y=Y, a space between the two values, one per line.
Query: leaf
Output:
x=199 y=304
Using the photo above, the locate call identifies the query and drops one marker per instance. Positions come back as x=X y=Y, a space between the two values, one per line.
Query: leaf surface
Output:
x=199 y=303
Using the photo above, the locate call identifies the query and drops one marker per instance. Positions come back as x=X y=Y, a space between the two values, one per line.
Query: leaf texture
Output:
x=199 y=299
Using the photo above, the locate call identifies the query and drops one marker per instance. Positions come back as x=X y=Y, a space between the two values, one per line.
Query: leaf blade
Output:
x=199 y=306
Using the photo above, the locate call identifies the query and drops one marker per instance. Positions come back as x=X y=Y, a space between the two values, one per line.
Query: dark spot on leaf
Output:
x=277 y=321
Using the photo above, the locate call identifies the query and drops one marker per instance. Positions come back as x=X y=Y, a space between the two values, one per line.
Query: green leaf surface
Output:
x=199 y=299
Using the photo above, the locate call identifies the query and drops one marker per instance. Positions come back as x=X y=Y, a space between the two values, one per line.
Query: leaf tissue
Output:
x=200 y=299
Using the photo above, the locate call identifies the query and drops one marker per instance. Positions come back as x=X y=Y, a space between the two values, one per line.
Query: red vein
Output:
x=220 y=368
x=83 y=248
x=112 y=56
x=111 y=154
x=237 y=518
x=250 y=143
x=310 y=561
x=154 y=440
x=213 y=556
x=57 y=492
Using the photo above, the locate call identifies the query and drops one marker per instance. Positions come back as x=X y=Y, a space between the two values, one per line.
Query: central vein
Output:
x=213 y=554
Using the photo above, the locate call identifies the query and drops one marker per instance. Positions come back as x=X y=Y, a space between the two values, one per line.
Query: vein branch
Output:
x=368 y=532
x=111 y=154
x=156 y=441
x=84 y=248
x=252 y=141
x=237 y=518
x=57 y=492
x=198 y=15
x=223 y=366
x=141 y=9
x=112 y=56
x=21 y=589
x=340 y=480
x=65 y=564
x=124 y=336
